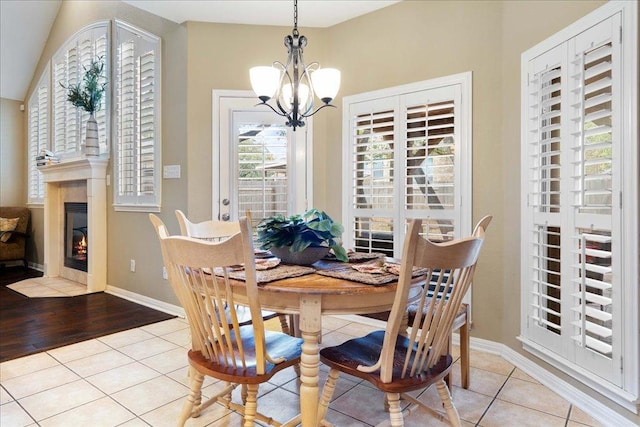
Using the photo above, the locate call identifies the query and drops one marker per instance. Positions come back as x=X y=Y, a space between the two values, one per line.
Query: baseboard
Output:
x=594 y=408
x=36 y=266
x=174 y=310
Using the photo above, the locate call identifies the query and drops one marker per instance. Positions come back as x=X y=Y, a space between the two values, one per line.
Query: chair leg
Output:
x=284 y=325
x=194 y=398
x=327 y=394
x=395 y=411
x=447 y=378
x=449 y=408
x=251 y=407
x=464 y=353
x=243 y=393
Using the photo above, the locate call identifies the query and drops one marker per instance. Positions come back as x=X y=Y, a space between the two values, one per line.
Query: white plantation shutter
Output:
x=38 y=130
x=595 y=177
x=137 y=105
x=69 y=63
x=372 y=180
x=579 y=260
x=432 y=152
x=407 y=151
x=544 y=147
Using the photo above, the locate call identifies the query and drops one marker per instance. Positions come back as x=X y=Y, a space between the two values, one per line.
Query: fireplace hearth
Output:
x=76 y=236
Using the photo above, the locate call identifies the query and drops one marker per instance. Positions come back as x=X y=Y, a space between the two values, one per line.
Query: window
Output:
x=136 y=79
x=38 y=129
x=579 y=288
x=408 y=156
x=260 y=165
x=69 y=64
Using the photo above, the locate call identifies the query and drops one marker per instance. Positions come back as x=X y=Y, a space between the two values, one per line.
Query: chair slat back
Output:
x=207 y=230
x=162 y=232
x=446 y=264
x=200 y=272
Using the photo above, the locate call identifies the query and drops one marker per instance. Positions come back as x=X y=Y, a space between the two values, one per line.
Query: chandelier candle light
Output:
x=293 y=85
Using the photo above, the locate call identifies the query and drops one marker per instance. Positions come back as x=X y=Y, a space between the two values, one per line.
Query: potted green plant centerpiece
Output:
x=301 y=239
x=87 y=95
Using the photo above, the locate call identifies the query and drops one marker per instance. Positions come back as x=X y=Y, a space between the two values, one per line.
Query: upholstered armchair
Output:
x=14 y=234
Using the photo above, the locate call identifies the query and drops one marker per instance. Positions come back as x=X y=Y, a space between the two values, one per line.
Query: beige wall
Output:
x=13 y=154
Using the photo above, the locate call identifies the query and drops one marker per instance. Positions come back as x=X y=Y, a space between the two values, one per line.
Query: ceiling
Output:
x=20 y=50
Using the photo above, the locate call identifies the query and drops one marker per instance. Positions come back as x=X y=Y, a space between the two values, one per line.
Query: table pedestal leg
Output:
x=310 y=327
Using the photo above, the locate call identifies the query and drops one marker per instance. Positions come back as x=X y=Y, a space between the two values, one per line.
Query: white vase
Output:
x=92 y=143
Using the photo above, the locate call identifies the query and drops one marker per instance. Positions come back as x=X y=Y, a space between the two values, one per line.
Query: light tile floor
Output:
x=139 y=378
x=41 y=287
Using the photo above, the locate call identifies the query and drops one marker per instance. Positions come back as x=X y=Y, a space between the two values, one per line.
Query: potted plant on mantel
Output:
x=87 y=95
x=301 y=239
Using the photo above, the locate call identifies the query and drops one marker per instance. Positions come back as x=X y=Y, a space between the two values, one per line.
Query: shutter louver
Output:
x=593 y=297
x=373 y=235
x=38 y=128
x=100 y=51
x=545 y=305
x=137 y=86
x=373 y=154
x=127 y=119
x=593 y=163
x=146 y=102
x=430 y=163
x=593 y=255
x=69 y=122
x=544 y=173
x=262 y=178
x=545 y=124
x=373 y=180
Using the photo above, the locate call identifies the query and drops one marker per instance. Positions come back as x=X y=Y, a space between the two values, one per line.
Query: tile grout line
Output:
x=495 y=397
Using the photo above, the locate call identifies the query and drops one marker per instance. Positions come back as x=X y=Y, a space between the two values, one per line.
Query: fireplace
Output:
x=76 y=236
x=81 y=180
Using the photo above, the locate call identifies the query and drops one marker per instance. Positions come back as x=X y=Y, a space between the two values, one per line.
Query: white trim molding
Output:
x=165 y=307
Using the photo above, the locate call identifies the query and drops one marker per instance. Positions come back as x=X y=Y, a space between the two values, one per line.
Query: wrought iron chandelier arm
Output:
x=318 y=109
x=273 y=109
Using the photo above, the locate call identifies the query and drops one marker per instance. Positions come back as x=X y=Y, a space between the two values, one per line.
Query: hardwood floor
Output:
x=32 y=325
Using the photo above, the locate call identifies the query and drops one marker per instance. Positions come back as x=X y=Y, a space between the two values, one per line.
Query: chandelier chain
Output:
x=295 y=17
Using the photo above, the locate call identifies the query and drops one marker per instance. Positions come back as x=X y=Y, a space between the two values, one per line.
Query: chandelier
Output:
x=293 y=85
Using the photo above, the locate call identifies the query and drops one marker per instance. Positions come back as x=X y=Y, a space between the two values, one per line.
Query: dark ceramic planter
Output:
x=306 y=257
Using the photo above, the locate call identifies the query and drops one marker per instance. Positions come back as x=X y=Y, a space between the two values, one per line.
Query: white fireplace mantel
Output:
x=93 y=172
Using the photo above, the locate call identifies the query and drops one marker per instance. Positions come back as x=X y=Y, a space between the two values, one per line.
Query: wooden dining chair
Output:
x=462 y=321
x=229 y=352
x=397 y=361
x=216 y=231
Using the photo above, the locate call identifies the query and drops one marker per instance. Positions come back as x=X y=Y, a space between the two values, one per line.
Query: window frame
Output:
x=463 y=165
x=627 y=199
x=300 y=149
x=137 y=203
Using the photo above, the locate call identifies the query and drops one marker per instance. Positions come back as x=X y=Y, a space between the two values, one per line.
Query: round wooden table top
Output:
x=339 y=296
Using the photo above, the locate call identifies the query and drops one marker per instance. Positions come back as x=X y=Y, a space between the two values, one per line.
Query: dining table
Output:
x=329 y=287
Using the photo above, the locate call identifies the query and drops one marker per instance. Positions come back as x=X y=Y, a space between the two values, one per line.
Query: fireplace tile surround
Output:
x=81 y=180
